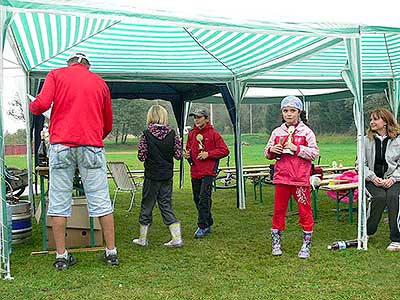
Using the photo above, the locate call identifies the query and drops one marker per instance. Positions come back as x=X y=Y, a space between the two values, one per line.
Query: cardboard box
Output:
x=79 y=217
x=75 y=238
x=77 y=232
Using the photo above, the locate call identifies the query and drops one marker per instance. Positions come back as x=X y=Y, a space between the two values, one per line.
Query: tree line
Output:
x=331 y=117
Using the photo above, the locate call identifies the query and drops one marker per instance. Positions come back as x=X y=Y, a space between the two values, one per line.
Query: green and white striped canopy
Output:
x=138 y=45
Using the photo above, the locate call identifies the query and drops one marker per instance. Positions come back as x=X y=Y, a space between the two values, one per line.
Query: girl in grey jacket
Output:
x=382 y=173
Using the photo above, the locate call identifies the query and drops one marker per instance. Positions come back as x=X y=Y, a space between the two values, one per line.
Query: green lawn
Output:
x=234 y=262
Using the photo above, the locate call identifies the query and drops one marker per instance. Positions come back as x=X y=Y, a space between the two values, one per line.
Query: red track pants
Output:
x=302 y=195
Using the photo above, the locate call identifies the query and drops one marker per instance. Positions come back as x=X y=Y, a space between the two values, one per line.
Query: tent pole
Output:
x=186 y=109
x=352 y=74
x=29 y=142
x=5 y=231
x=237 y=90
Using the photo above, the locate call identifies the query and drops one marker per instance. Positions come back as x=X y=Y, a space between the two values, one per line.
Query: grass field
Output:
x=234 y=262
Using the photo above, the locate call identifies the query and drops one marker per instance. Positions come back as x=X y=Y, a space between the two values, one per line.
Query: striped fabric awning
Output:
x=125 y=46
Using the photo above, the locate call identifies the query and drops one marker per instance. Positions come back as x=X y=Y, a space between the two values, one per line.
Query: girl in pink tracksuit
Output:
x=294 y=146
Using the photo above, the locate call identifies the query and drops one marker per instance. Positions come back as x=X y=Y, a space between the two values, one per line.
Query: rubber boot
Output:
x=142 y=240
x=176 y=234
x=305 y=250
x=276 y=242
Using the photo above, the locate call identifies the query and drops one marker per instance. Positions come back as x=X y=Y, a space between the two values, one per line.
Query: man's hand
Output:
x=202 y=155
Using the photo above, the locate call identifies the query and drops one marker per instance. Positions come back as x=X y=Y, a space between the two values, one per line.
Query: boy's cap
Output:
x=200 y=112
x=79 y=56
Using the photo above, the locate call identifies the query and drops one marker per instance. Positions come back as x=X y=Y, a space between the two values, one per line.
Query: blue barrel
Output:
x=21 y=221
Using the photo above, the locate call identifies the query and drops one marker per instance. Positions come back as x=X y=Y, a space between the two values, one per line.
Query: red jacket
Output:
x=213 y=144
x=294 y=169
x=82 y=112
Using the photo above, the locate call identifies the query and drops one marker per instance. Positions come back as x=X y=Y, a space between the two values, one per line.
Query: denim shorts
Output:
x=63 y=161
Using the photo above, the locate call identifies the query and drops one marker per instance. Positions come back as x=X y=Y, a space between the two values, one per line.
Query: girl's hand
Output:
x=186 y=153
x=276 y=149
x=291 y=146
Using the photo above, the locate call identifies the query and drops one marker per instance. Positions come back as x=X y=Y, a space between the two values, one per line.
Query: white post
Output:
x=211 y=114
x=251 y=117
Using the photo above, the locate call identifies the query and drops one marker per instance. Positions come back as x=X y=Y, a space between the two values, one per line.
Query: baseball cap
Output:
x=200 y=112
x=292 y=101
x=79 y=56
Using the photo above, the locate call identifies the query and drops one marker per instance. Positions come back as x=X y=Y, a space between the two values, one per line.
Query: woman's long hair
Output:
x=392 y=128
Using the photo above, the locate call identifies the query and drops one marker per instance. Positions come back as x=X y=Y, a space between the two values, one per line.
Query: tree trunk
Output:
x=116 y=136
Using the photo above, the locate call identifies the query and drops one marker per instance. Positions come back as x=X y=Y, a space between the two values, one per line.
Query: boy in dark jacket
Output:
x=204 y=148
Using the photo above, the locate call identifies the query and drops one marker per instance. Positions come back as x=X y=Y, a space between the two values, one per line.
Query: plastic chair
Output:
x=123 y=181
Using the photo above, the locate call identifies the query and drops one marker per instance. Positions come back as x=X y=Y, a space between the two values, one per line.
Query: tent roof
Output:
x=139 y=45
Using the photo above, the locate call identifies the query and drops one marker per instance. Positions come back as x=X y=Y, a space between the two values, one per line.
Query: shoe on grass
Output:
x=111 y=259
x=393 y=246
x=63 y=263
x=201 y=232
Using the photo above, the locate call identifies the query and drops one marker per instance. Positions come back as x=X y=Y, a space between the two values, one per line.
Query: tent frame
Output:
x=233 y=88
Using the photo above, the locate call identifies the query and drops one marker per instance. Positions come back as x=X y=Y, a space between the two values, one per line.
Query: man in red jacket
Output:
x=81 y=117
x=204 y=148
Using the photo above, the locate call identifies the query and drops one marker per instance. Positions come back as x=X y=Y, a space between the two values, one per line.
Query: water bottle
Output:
x=42 y=151
x=343 y=245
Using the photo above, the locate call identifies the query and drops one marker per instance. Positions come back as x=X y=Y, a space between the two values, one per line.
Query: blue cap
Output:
x=292 y=101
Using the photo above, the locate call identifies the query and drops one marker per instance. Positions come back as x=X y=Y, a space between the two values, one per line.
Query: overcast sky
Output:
x=13 y=82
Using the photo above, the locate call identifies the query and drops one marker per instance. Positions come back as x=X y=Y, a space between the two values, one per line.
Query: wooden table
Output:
x=331 y=176
x=338 y=169
x=342 y=190
x=247 y=170
x=244 y=167
x=258 y=179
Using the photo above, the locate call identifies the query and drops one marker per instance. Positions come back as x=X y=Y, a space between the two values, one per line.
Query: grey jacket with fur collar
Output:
x=392 y=157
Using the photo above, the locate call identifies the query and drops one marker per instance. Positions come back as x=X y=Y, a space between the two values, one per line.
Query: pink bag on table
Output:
x=350 y=176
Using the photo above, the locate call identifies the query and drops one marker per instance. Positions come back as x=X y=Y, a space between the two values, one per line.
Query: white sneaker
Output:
x=393 y=246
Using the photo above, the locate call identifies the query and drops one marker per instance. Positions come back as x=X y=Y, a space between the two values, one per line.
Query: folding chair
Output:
x=123 y=181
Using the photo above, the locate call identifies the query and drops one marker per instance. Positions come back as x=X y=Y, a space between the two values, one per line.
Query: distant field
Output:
x=331 y=148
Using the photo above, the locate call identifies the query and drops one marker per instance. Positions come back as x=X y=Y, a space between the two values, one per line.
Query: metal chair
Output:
x=123 y=181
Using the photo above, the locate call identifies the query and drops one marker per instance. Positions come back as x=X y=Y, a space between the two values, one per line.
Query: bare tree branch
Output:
x=16 y=110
